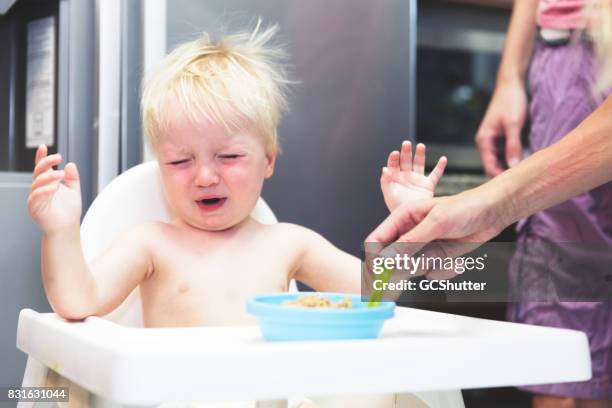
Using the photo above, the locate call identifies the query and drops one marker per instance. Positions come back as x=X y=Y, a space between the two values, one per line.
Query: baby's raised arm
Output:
x=74 y=289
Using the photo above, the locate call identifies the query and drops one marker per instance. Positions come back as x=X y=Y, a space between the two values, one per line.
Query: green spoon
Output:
x=377 y=294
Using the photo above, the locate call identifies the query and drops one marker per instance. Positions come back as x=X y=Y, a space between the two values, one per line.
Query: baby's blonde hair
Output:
x=236 y=82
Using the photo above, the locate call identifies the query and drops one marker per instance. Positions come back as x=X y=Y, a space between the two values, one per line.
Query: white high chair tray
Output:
x=417 y=351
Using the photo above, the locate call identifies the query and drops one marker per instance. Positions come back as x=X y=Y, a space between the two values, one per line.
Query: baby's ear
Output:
x=270 y=162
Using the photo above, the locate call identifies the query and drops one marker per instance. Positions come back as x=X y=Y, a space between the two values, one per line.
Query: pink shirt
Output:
x=561 y=14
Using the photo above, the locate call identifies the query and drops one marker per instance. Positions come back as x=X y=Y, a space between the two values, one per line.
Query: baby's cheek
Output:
x=176 y=186
x=175 y=177
x=249 y=188
x=182 y=181
x=244 y=175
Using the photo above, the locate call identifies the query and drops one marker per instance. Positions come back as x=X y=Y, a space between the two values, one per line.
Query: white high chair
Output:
x=109 y=365
x=134 y=197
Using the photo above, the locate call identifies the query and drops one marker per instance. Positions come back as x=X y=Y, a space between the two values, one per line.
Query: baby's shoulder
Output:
x=148 y=232
x=284 y=228
x=290 y=233
x=148 y=227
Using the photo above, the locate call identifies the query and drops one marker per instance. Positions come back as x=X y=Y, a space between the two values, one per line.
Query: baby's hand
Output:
x=53 y=204
x=404 y=179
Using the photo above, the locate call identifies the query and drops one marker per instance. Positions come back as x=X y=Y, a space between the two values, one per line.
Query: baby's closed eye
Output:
x=177 y=162
x=230 y=158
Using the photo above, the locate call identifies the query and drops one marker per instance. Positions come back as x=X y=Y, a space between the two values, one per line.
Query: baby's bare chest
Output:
x=211 y=285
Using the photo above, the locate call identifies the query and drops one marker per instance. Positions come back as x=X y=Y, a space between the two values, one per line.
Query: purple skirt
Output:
x=560 y=81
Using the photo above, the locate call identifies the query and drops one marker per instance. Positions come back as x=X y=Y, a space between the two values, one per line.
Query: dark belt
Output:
x=559 y=37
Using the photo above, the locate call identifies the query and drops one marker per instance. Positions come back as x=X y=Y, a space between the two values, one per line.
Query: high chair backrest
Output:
x=133 y=197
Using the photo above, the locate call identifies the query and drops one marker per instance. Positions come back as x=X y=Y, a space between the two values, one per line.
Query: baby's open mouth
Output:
x=207 y=201
x=210 y=204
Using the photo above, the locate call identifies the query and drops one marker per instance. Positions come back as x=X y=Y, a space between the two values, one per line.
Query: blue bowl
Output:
x=282 y=322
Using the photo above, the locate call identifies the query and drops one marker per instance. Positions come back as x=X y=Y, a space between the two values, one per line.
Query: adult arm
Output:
x=507 y=111
x=579 y=162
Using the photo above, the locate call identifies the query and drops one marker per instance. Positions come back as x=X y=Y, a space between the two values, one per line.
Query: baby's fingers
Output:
x=39 y=197
x=46 y=178
x=419 y=159
x=46 y=163
x=40 y=153
x=393 y=159
x=72 y=176
x=406 y=156
x=438 y=171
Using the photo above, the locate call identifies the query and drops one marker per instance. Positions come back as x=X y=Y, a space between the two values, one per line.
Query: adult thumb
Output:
x=71 y=178
x=514 y=149
x=422 y=234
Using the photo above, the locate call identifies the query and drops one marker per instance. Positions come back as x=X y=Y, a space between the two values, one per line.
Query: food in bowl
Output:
x=280 y=321
x=320 y=302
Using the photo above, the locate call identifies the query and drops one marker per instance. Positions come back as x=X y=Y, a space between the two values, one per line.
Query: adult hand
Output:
x=458 y=224
x=503 y=121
